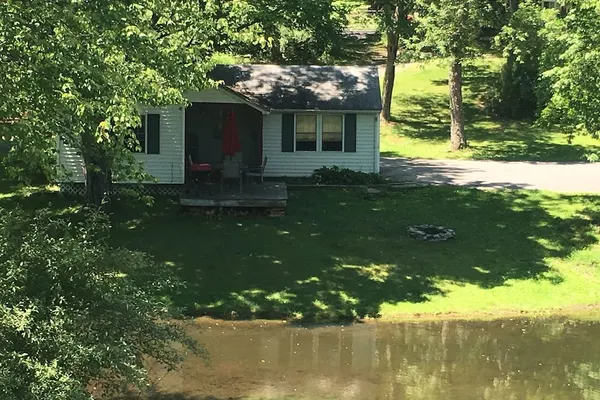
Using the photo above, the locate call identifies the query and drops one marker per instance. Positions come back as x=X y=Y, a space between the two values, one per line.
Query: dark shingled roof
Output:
x=294 y=87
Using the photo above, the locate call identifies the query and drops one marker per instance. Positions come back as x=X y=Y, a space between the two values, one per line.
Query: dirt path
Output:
x=558 y=177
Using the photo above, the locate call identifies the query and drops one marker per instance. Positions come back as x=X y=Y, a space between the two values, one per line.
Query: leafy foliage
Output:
x=522 y=43
x=453 y=28
x=75 y=313
x=280 y=31
x=572 y=66
x=80 y=70
x=397 y=23
x=344 y=176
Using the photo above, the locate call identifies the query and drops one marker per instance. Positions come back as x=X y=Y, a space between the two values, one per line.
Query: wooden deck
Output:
x=266 y=195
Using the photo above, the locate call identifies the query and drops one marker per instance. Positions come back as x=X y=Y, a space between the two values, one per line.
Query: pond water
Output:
x=505 y=359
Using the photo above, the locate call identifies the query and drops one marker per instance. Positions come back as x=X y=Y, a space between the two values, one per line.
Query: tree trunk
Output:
x=98 y=177
x=458 y=139
x=390 y=74
x=97 y=186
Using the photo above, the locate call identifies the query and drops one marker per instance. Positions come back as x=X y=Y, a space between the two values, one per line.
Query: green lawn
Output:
x=341 y=253
x=421 y=130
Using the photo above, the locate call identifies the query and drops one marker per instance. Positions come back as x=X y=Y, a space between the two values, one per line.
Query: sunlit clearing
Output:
x=247 y=297
x=483 y=271
x=377 y=273
x=320 y=305
x=346 y=299
x=283 y=233
x=134 y=224
x=309 y=280
x=216 y=304
x=69 y=210
x=282 y=297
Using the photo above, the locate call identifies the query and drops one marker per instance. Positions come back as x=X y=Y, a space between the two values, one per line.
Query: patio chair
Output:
x=257 y=172
x=198 y=176
x=232 y=171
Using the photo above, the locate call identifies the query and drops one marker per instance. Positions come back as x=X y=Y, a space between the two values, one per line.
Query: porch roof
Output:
x=309 y=87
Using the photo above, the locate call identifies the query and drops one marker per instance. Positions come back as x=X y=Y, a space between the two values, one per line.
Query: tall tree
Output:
x=280 y=31
x=80 y=70
x=77 y=313
x=453 y=27
x=395 y=22
x=571 y=62
x=522 y=44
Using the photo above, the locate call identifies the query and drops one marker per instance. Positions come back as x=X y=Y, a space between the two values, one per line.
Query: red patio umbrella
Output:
x=231 y=138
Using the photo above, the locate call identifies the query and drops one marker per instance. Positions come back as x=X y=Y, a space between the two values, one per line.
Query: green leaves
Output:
x=73 y=65
x=571 y=63
x=291 y=31
x=74 y=311
x=453 y=27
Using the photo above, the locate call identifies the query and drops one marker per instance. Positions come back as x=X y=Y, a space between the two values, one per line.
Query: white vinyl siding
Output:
x=71 y=164
x=303 y=163
x=167 y=167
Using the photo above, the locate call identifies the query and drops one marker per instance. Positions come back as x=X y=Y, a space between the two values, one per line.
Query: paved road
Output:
x=559 y=177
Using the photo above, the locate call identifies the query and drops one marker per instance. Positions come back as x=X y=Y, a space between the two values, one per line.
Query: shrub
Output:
x=76 y=312
x=522 y=44
x=343 y=176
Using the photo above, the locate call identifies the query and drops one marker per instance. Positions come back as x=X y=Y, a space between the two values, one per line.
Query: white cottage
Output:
x=300 y=117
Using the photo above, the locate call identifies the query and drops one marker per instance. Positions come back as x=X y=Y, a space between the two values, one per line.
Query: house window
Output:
x=333 y=133
x=141 y=134
x=306 y=133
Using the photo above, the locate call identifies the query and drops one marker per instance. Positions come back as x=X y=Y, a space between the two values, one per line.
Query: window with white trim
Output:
x=141 y=134
x=319 y=132
x=332 y=137
x=306 y=132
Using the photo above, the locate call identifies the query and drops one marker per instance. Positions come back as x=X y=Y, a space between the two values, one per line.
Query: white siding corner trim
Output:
x=167 y=167
x=377 y=155
x=297 y=164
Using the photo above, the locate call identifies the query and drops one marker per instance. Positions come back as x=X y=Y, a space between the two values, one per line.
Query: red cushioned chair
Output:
x=199 y=173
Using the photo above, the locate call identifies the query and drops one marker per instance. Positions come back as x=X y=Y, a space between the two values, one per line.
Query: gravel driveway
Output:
x=558 y=177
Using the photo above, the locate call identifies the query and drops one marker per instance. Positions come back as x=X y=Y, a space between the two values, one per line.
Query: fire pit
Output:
x=430 y=233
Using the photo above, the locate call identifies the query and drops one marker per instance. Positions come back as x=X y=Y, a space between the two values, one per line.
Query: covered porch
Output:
x=205 y=125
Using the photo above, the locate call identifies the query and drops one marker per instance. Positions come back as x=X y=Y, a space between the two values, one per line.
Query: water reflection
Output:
x=514 y=359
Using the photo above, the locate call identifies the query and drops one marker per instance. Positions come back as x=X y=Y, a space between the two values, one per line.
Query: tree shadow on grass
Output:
x=426 y=117
x=363 y=50
x=340 y=254
x=13 y=194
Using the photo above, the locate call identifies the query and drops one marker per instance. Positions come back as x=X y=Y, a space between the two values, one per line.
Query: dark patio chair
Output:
x=257 y=172
x=232 y=171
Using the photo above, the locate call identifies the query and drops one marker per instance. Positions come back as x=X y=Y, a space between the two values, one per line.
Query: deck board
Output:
x=266 y=195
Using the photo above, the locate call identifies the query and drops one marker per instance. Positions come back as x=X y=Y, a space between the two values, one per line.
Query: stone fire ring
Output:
x=430 y=233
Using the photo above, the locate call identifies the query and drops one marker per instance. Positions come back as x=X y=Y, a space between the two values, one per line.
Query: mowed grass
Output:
x=340 y=254
x=421 y=127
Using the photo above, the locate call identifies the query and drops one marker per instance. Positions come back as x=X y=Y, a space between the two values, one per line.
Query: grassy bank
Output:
x=421 y=127
x=343 y=253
